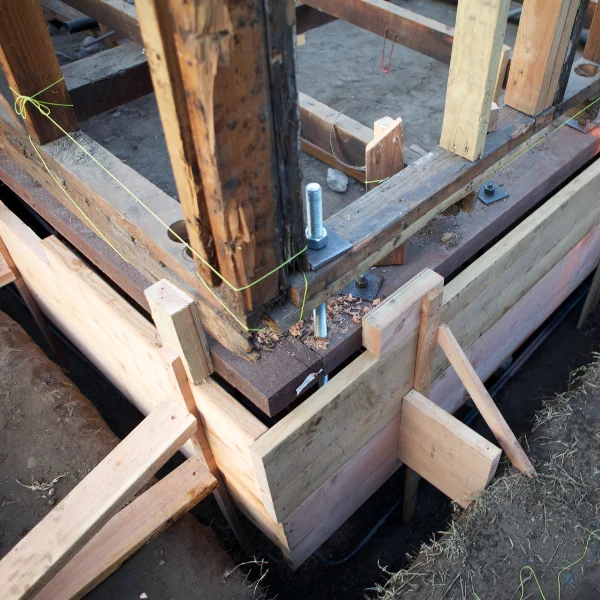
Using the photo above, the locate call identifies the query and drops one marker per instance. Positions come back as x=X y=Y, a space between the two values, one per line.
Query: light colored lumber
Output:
x=369 y=468
x=386 y=325
x=540 y=50
x=591 y=300
x=129 y=530
x=178 y=322
x=125 y=346
x=476 y=56
x=494 y=114
x=6 y=274
x=447 y=453
x=65 y=530
x=384 y=154
x=503 y=67
x=484 y=402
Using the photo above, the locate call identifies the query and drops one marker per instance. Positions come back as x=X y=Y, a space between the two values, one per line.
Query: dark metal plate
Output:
x=370 y=292
x=337 y=245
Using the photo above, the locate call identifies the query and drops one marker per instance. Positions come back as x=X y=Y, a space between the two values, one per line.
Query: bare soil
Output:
x=526 y=537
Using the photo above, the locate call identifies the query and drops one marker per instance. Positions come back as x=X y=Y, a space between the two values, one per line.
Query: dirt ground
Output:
x=51 y=438
x=526 y=537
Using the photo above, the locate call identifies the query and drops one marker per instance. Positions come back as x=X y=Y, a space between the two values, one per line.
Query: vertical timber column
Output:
x=30 y=65
x=238 y=70
x=476 y=55
x=592 y=46
x=156 y=30
x=539 y=54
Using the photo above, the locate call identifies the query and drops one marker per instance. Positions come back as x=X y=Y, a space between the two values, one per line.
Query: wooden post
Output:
x=30 y=65
x=156 y=30
x=539 y=54
x=592 y=298
x=384 y=157
x=476 y=55
x=428 y=328
x=236 y=62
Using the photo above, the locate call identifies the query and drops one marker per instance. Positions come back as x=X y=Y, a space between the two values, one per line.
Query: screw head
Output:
x=361 y=281
x=489 y=188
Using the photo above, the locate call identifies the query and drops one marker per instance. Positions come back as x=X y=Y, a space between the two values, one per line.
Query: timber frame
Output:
x=286 y=473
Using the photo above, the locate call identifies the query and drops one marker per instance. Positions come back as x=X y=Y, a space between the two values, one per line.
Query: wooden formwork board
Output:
x=562 y=241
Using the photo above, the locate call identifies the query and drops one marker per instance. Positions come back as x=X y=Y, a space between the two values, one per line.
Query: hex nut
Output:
x=319 y=243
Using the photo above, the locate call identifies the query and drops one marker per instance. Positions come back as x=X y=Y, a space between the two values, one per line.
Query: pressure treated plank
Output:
x=65 y=530
x=412 y=30
x=476 y=54
x=387 y=325
x=445 y=451
x=30 y=65
x=538 y=56
x=133 y=527
x=487 y=407
x=178 y=322
x=105 y=80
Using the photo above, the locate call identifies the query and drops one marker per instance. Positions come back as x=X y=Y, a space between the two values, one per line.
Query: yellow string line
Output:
x=43 y=107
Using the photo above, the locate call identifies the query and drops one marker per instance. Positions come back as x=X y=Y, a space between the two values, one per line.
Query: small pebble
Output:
x=161 y=563
x=116 y=114
x=90 y=49
x=446 y=238
x=51 y=502
x=143 y=595
x=31 y=462
x=337 y=181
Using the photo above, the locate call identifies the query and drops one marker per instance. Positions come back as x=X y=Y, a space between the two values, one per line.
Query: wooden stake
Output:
x=202 y=448
x=178 y=322
x=592 y=46
x=133 y=527
x=30 y=65
x=63 y=532
x=476 y=53
x=484 y=402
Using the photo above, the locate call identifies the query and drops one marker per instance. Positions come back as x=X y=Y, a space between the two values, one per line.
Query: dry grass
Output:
x=521 y=530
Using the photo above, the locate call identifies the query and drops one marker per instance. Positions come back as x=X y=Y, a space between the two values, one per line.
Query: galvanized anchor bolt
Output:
x=320 y=330
x=361 y=281
x=316 y=234
x=489 y=188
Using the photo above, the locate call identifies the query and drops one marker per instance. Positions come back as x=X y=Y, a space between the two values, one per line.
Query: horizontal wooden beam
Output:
x=409 y=29
x=48 y=547
x=103 y=81
x=134 y=526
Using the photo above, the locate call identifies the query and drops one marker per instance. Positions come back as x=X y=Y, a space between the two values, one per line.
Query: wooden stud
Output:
x=63 y=532
x=447 y=453
x=155 y=25
x=7 y=275
x=384 y=326
x=484 y=402
x=592 y=298
x=428 y=328
x=30 y=65
x=129 y=530
x=178 y=322
x=476 y=53
x=494 y=114
x=540 y=50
